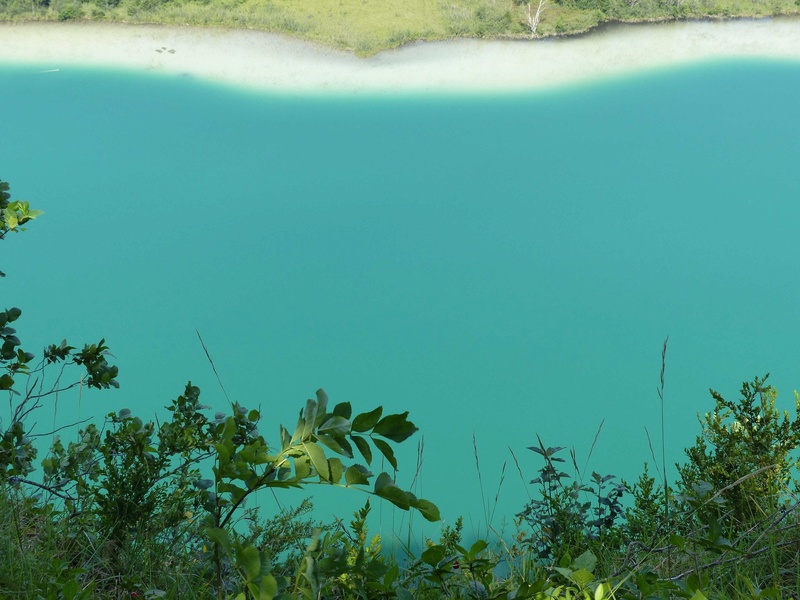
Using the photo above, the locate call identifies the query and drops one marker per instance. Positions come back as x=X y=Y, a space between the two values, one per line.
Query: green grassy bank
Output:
x=369 y=26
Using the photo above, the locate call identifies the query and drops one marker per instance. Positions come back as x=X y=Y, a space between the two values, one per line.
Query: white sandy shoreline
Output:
x=278 y=63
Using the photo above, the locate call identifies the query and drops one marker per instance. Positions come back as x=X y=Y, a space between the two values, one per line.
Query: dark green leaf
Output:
x=403 y=593
x=343 y=410
x=383 y=479
x=366 y=421
x=6 y=382
x=218 y=536
x=387 y=451
x=236 y=492
x=430 y=511
x=363 y=447
x=229 y=429
x=476 y=548
x=394 y=494
x=395 y=427
x=433 y=555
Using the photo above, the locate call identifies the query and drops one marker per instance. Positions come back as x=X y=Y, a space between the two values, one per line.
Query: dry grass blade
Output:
x=213 y=367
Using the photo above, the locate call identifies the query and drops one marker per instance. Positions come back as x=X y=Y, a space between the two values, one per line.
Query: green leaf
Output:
x=434 y=555
x=383 y=479
x=582 y=577
x=228 y=430
x=387 y=451
x=286 y=439
x=335 y=426
x=366 y=421
x=223 y=452
x=600 y=591
x=403 y=593
x=395 y=495
x=385 y=488
x=343 y=410
x=236 y=492
x=268 y=588
x=363 y=447
x=391 y=575
x=10 y=217
x=677 y=541
x=302 y=467
x=253 y=453
x=322 y=407
x=13 y=314
x=336 y=445
x=476 y=548
x=219 y=536
x=249 y=561
x=298 y=431
x=395 y=427
x=70 y=590
x=309 y=417
x=431 y=513
x=587 y=561
x=336 y=469
x=318 y=459
x=356 y=475
x=565 y=571
x=6 y=382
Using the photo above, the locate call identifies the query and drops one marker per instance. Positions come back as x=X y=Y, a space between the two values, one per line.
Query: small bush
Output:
x=70 y=12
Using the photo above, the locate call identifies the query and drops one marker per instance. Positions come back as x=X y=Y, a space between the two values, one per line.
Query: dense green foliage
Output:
x=137 y=508
x=368 y=26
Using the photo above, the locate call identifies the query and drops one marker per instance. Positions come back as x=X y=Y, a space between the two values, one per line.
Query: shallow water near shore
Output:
x=499 y=266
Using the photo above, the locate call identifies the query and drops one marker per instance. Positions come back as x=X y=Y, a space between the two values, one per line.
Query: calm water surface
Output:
x=499 y=266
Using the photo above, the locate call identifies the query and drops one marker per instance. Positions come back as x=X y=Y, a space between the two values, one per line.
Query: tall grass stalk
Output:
x=660 y=391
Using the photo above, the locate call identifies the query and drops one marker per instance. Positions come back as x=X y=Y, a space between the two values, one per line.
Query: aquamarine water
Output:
x=499 y=266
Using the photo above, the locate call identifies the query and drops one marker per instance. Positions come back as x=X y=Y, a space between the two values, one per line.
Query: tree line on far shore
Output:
x=367 y=27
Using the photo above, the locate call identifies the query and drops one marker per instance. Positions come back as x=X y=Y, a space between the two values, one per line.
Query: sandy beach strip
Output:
x=279 y=63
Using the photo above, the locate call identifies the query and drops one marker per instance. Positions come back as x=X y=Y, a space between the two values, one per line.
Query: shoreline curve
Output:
x=275 y=62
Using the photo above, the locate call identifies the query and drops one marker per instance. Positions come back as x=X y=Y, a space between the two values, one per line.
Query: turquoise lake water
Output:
x=499 y=266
